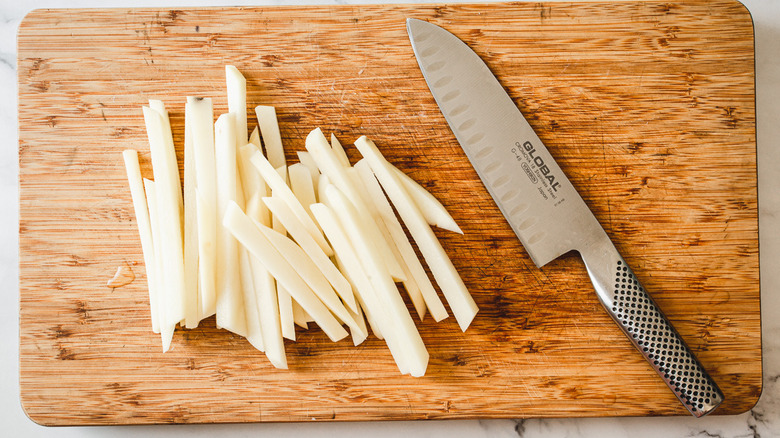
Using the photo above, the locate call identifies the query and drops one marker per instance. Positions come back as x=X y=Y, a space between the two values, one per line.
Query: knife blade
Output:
x=544 y=209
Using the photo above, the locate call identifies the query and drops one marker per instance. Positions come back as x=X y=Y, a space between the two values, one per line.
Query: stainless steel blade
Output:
x=544 y=209
x=541 y=205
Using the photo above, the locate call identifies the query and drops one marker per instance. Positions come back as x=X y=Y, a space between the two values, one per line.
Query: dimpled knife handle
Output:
x=652 y=334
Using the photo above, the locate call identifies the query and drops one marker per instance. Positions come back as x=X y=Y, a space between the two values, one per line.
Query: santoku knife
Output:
x=543 y=207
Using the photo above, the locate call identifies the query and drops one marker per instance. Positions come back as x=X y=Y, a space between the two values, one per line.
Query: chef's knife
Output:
x=543 y=208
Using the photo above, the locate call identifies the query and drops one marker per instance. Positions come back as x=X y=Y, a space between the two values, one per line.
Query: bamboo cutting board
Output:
x=648 y=107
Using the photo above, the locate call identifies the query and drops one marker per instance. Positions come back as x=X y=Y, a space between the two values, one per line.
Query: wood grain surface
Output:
x=648 y=107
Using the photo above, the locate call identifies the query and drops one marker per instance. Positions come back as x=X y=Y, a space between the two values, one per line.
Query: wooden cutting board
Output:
x=648 y=106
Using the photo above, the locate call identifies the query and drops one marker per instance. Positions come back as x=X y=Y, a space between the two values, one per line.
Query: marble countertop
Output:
x=762 y=421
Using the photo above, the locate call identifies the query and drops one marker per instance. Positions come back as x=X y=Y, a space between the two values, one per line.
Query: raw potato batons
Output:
x=265 y=246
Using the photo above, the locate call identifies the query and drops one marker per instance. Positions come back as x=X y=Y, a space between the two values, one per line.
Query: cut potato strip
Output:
x=250 y=179
x=412 y=289
x=201 y=114
x=168 y=194
x=247 y=232
x=254 y=138
x=401 y=336
x=310 y=274
x=191 y=307
x=347 y=260
x=306 y=159
x=337 y=174
x=280 y=188
x=236 y=94
x=143 y=222
x=323 y=267
x=302 y=186
x=272 y=138
x=300 y=316
x=286 y=314
x=430 y=207
x=230 y=300
x=267 y=298
x=254 y=332
x=207 y=244
x=461 y=303
x=166 y=327
x=338 y=149
x=167 y=137
x=416 y=271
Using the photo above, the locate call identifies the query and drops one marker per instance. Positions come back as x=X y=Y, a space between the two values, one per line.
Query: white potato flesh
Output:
x=250 y=179
x=191 y=295
x=168 y=194
x=430 y=207
x=166 y=327
x=416 y=271
x=451 y=284
x=236 y=94
x=347 y=260
x=207 y=244
x=280 y=188
x=248 y=233
x=254 y=138
x=338 y=149
x=302 y=186
x=299 y=315
x=267 y=298
x=167 y=137
x=230 y=300
x=323 y=266
x=286 y=314
x=201 y=114
x=272 y=138
x=401 y=336
x=337 y=174
x=254 y=332
x=305 y=158
x=133 y=169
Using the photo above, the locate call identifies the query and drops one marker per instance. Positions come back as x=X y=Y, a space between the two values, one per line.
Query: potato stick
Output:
x=286 y=315
x=346 y=260
x=373 y=213
x=272 y=139
x=410 y=354
x=281 y=189
x=167 y=188
x=230 y=301
x=338 y=149
x=305 y=159
x=310 y=274
x=299 y=315
x=302 y=186
x=416 y=270
x=430 y=207
x=166 y=327
x=250 y=179
x=330 y=274
x=167 y=136
x=267 y=299
x=191 y=307
x=247 y=232
x=461 y=303
x=207 y=244
x=144 y=229
x=236 y=94
x=254 y=333
x=330 y=166
x=254 y=138
x=200 y=112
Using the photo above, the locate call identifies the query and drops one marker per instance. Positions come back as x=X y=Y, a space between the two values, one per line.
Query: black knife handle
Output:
x=649 y=330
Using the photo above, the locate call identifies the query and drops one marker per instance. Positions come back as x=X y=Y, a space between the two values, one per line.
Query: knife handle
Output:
x=629 y=304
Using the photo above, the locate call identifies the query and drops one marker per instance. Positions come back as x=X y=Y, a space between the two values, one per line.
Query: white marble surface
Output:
x=762 y=421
